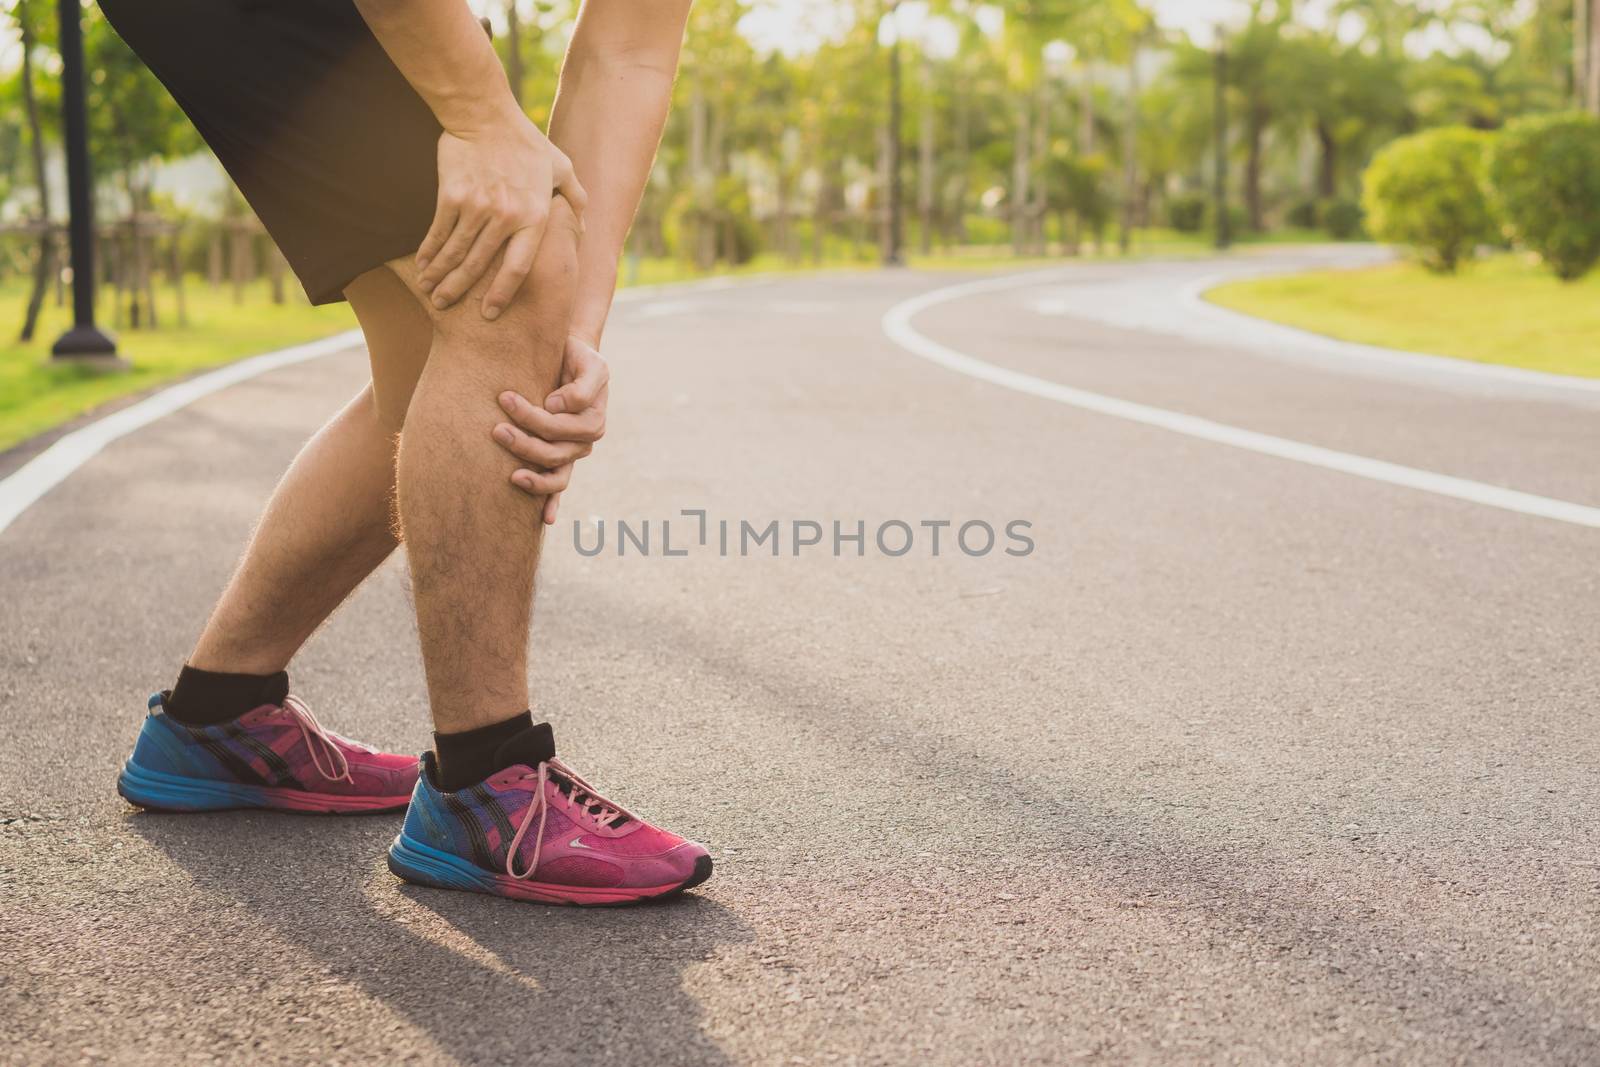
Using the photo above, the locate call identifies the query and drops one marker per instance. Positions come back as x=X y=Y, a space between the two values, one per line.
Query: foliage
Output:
x=998 y=134
x=1342 y=219
x=1428 y=191
x=721 y=223
x=132 y=119
x=1303 y=215
x=1187 y=213
x=1545 y=175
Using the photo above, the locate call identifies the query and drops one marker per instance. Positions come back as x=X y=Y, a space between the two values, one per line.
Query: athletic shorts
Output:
x=334 y=150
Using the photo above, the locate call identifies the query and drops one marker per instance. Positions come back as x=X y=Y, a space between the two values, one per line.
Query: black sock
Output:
x=206 y=698
x=469 y=757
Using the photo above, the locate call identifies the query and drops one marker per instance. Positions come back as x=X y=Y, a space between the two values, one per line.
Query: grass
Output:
x=36 y=395
x=1506 y=309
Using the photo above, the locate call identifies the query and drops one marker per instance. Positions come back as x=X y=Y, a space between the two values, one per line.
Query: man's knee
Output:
x=542 y=307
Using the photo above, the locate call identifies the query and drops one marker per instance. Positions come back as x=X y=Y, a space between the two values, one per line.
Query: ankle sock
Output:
x=469 y=757
x=206 y=698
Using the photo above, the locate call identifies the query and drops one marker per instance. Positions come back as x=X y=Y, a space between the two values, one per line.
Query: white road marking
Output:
x=897 y=326
x=52 y=466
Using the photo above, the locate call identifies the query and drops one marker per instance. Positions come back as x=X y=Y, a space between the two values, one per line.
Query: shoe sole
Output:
x=421 y=864
x=172 y=793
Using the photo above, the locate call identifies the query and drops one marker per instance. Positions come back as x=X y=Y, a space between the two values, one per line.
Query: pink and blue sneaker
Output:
x=277 y=756
x=537 y=831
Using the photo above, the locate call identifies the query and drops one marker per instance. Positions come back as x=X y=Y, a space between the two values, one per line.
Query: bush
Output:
x=1238 y=220
x=1304 y=215
x=1545 y=175
x=1427 y=191
x=1342 y=219
x=1187 y=213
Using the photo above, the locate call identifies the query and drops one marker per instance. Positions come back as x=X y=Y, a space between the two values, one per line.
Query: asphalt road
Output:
x=1248 y=761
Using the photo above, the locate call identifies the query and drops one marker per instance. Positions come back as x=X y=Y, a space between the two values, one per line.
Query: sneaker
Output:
x=540 y=832
x=277 y=756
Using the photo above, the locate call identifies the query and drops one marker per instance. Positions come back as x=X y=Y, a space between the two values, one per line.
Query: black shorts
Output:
x=334 y=150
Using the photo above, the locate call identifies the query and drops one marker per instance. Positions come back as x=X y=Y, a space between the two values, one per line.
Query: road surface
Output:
x=1249 y=760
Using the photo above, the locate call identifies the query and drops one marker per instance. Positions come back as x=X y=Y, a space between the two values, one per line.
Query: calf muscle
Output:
x=472 y=537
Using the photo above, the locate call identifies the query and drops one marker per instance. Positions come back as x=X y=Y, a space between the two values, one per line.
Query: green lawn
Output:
x=34 y=395
x=1506 y=309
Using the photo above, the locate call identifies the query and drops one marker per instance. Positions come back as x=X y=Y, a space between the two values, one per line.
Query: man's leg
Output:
x=471 y=536
x=495 y=809
x=329 y=523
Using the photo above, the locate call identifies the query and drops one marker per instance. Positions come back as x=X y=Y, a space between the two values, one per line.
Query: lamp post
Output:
x=894 y=232
x=85 y=341
x=1222 y=223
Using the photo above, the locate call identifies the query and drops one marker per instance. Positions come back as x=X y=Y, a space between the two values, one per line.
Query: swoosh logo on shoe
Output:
x=577 y=842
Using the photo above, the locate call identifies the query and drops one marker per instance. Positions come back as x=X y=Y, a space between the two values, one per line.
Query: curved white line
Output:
x=897 y=326
x=52 y=466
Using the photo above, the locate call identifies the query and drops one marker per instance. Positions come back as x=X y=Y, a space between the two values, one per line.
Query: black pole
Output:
x=84 y=339
x=1223 y=224
x=892 y=256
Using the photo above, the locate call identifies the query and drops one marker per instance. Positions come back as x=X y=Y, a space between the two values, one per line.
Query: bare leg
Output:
x=330 y=520
x=473 y=538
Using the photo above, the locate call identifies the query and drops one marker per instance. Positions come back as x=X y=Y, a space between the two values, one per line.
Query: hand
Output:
x=495 y=187
x=550 y=439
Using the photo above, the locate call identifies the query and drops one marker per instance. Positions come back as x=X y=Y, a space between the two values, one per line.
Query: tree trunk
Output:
x=704 y=250
x=1580 y=51
x=275 y=264
x=1328 y=162
x=175 y=269
x=963 y=166
x=1086 y=114
x=925 y=168
x=1592 y=66
x=46 y=261
x=1019 y=177
x=1252 y=172
x=214 y=257
x=1130 y=154
x=1041 y=151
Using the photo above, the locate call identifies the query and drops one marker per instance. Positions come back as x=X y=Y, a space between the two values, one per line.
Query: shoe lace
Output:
x=318 y=744
x=576 y=795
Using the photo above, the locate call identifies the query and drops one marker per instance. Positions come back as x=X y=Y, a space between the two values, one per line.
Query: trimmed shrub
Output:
x=1303 y=215
x=1427 y=191
x=1544 y=172
x=1187 y=213
x=1342 y=219
x=1238 y=219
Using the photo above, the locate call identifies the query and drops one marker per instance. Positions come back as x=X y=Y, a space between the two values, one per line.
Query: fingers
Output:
x=468 y=223
x=514 y=268
x=542 y=483
x=552 y=504
x=538 y=452
x=472 y=267
x=444 y=221
x=566 y=183
x=590 y=374
x=586 y=426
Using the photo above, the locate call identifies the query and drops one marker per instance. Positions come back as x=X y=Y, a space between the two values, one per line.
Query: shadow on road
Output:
x=487 y=980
